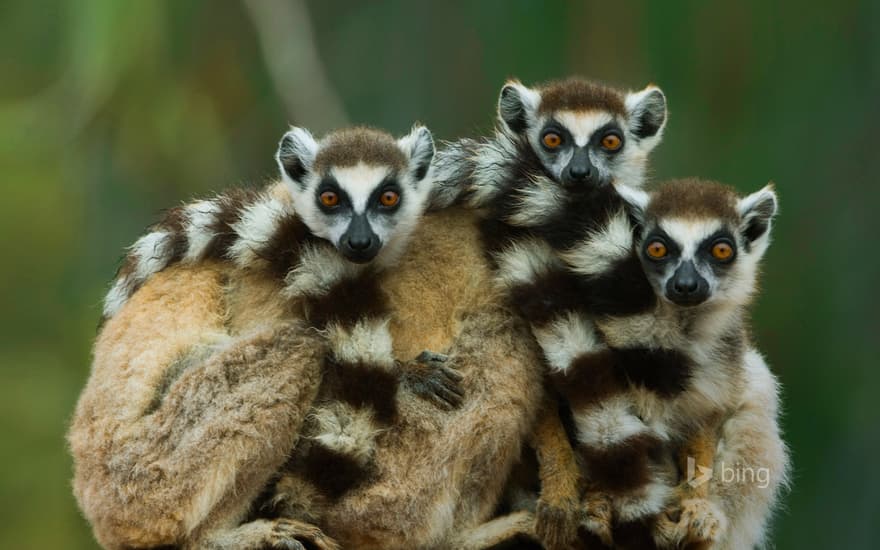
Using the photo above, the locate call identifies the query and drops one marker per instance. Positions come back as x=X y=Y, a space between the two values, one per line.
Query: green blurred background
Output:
x=111 y=111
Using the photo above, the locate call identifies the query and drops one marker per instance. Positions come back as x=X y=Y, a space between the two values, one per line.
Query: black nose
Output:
x=687 y=287
x=360 y=242
x=580 y=173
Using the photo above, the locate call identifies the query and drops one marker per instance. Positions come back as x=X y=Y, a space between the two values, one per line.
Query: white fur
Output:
x=566 y=338
x=320 y=268
x=152 y=252
x=347 y=430
x=609 y=423
x=199 y=233
x=491 y=169
x=359 y=181
x=368 y=341
x=650 y=500
x=690 y=233
x=598 y=252
x=299 y=143
x=116 y=297
x=635 y=197
x=635 y=106
x=524 y=261
x=537 y=203
x=583 y=124
x=255 y=227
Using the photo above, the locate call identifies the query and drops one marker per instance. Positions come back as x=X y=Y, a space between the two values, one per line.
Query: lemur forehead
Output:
x=576 y=94
x=694 y=199
x=353 y=146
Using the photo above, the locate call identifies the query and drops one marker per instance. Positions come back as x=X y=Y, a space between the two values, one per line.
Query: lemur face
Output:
x=701 y=244
x=586 y=135
x=359 y=188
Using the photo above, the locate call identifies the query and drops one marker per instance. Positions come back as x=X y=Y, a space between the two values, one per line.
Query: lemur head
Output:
x=358 y=188
x=700 y=242
x=586 y=134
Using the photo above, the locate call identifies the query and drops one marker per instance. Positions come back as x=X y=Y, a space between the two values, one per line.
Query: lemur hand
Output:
x=693 y=523
x=556 y=523
x=431 y=377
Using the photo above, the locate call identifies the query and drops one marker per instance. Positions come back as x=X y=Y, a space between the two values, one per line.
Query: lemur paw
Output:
x=430 y=377
x=556 y=524
x=598 y=516
x=696 y=523
x=296 y=535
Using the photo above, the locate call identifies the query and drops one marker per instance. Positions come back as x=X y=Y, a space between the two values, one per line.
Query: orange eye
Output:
x=552 y=140
x=611 y=142
x=722 y=251
x=656 y=250
x=389 y=198
x=329 y=198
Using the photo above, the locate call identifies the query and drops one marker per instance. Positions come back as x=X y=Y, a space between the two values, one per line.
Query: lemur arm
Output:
x=751 y=450
x=730 y=505
x=558 y=511
x=181 y=424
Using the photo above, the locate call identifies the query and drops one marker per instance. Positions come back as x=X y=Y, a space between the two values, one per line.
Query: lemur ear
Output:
x=647 y=114
x=418 y=146
x=636 y=199
x=517 y=105
x=296 y=153
x=757 y=211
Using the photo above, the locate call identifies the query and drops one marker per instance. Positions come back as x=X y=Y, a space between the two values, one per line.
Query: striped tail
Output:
x=243 y=226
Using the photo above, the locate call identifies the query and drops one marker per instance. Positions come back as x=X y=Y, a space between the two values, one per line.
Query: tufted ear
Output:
x=646 y=111
x=418 y=146
x=517 y=106
x=757 y=211
x=296 y=153
x=636 y=199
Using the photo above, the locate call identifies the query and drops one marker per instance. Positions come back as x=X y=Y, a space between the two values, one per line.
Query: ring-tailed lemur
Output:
x=357 y=195
x=650 y=393
x=546 y=185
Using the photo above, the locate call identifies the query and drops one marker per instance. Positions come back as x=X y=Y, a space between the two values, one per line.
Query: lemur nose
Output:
x=686 y=285
x=359 y=243
x=580 y=172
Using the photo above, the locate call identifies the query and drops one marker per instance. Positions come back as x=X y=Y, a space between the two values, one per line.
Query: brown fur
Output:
x=144 y=483
x=353 y=145
x=558 y=509
x=575 y=94
x=695 y=198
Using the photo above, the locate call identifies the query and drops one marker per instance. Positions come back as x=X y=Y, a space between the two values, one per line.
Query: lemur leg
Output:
x=558 y=513
x=693 y=521
x=162 y=454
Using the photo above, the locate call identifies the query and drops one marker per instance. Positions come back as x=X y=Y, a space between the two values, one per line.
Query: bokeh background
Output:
x=111 y=111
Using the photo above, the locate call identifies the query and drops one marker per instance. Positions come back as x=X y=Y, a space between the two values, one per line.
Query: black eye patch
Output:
x=554 y=127
x=329 y=184
x=705 y=250
x=612 y=128
x=390 y=183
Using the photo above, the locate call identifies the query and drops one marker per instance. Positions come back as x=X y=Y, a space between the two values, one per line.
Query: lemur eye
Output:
x=611 y=142
x=656 y=250
x=722 y=251
x=389 y=198
x=552 y=140
x=329 y=198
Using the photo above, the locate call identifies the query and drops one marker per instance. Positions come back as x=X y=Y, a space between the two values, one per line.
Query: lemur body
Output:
x=649 y=393
x=546 y=186
x=561 y=236
x=356 y=197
